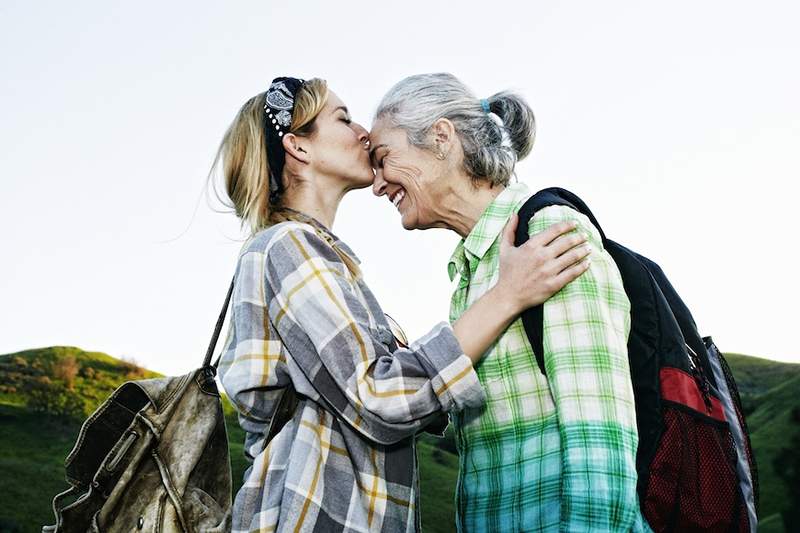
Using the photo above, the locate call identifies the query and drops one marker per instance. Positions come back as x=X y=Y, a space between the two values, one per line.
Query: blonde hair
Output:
x=243 y=153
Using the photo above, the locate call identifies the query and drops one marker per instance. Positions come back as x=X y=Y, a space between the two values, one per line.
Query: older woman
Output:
x=543 y=453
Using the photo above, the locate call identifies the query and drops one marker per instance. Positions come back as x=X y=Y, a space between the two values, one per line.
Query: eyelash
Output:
x=347 y=120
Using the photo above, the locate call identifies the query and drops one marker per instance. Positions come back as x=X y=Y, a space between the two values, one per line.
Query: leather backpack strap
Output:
x=213 y=344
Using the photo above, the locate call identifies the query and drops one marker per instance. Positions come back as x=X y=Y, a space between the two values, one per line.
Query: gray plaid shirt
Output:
x=346 y=460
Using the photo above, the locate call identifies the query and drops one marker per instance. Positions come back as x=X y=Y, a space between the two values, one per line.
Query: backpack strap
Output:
x=533 y=318
x=213 y=344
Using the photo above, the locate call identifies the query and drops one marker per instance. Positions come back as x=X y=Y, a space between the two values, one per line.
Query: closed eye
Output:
x=379 y=160
x=373 y=154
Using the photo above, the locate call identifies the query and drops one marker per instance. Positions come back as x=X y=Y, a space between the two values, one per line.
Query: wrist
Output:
x=505 y=301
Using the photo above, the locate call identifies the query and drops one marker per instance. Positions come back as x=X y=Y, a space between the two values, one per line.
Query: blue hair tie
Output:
x=485 y=105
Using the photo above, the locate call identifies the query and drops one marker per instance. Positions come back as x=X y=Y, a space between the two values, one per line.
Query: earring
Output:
x=441 y=156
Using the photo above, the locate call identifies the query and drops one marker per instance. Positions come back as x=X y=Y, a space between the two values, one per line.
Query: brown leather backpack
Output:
x=154 y=457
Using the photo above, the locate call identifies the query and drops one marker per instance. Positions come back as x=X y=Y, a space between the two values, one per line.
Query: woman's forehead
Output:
x=333 y=100
x=383 y=132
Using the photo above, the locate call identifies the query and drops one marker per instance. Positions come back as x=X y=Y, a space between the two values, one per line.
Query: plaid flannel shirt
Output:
x=557 y=452
x=346 y=460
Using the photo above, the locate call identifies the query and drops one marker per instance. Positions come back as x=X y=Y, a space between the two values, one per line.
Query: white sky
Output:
x=678 y=122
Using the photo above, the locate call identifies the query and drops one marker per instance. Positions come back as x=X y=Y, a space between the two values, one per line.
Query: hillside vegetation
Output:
x=46 y=393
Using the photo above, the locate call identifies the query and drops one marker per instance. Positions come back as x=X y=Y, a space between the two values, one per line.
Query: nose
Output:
x=378 y=183
x=363 y=135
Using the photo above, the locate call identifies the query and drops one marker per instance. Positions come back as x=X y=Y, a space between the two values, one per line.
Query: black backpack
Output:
x=696 y=470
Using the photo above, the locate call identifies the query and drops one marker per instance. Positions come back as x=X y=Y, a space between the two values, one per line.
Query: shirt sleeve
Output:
x=585 y=334
x=252 y=369
x=320 y=314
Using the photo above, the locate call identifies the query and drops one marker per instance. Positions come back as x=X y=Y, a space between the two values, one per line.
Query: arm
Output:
x=252 y=369
x=254 y=366
x=325 y=326
x=586 y=328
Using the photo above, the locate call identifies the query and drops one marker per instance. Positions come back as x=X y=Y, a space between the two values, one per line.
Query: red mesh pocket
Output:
x=692 y=484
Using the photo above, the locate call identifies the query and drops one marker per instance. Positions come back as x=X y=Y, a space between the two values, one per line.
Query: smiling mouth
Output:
x=397 y=198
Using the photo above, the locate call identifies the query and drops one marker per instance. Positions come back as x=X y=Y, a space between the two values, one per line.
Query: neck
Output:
x=462 y=206
x=317 y=198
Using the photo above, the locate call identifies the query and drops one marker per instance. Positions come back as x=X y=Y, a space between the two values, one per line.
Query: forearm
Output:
x=484 y=322
x=384 y=393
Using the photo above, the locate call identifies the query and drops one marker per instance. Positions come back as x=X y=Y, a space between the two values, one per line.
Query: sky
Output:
x=678 y=122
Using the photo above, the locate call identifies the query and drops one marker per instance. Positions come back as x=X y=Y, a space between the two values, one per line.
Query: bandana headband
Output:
x=278 y=110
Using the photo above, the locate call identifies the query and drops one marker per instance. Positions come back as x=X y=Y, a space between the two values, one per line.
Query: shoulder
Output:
x=603 y=275
x=560 y=213
x=284 y=244
x=292 y=247
x=277 y=235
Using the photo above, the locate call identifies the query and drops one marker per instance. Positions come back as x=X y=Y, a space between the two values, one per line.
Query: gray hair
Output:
x=493 y=142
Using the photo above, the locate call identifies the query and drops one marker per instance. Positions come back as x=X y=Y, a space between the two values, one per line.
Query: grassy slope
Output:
x=770 y=431
x=437 y=486
x=754 y=374
x=32 y=466
x=772 y=388
x=107 y=372
x=24 y=454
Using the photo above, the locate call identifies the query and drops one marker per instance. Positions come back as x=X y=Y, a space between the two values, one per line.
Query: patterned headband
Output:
x=278 y=107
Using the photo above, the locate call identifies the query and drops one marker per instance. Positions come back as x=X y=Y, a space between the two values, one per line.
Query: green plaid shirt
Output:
x=558 y=452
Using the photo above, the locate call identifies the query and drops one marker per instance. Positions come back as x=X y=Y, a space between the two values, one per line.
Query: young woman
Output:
x=303 y=318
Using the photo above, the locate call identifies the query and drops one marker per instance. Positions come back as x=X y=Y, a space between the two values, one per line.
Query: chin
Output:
x=361 y=182
x=407 y=223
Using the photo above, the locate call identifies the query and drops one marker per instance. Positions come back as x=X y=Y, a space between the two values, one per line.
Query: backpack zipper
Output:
x=700 y=377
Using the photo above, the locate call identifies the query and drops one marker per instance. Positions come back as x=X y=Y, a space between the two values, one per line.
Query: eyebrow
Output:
x=372 y=153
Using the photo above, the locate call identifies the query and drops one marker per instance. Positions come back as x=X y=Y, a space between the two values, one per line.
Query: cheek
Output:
x=400 y=172
x=336 y=151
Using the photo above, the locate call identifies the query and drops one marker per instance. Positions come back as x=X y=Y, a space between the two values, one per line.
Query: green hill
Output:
x=24 y=454
x=755 y=375
x=49 y=391
x=771 y=430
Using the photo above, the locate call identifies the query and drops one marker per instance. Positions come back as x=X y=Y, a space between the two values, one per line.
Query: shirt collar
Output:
x=487 y=229
x=458 y=262
x=327 y=234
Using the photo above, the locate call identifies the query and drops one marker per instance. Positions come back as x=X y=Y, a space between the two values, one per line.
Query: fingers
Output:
x=565 y=243
x=552 y=233
x=571 y=273
x=571 y=256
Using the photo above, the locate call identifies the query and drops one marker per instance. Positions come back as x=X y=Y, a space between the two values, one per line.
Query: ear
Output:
x=443 y=133
x=297 y=147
